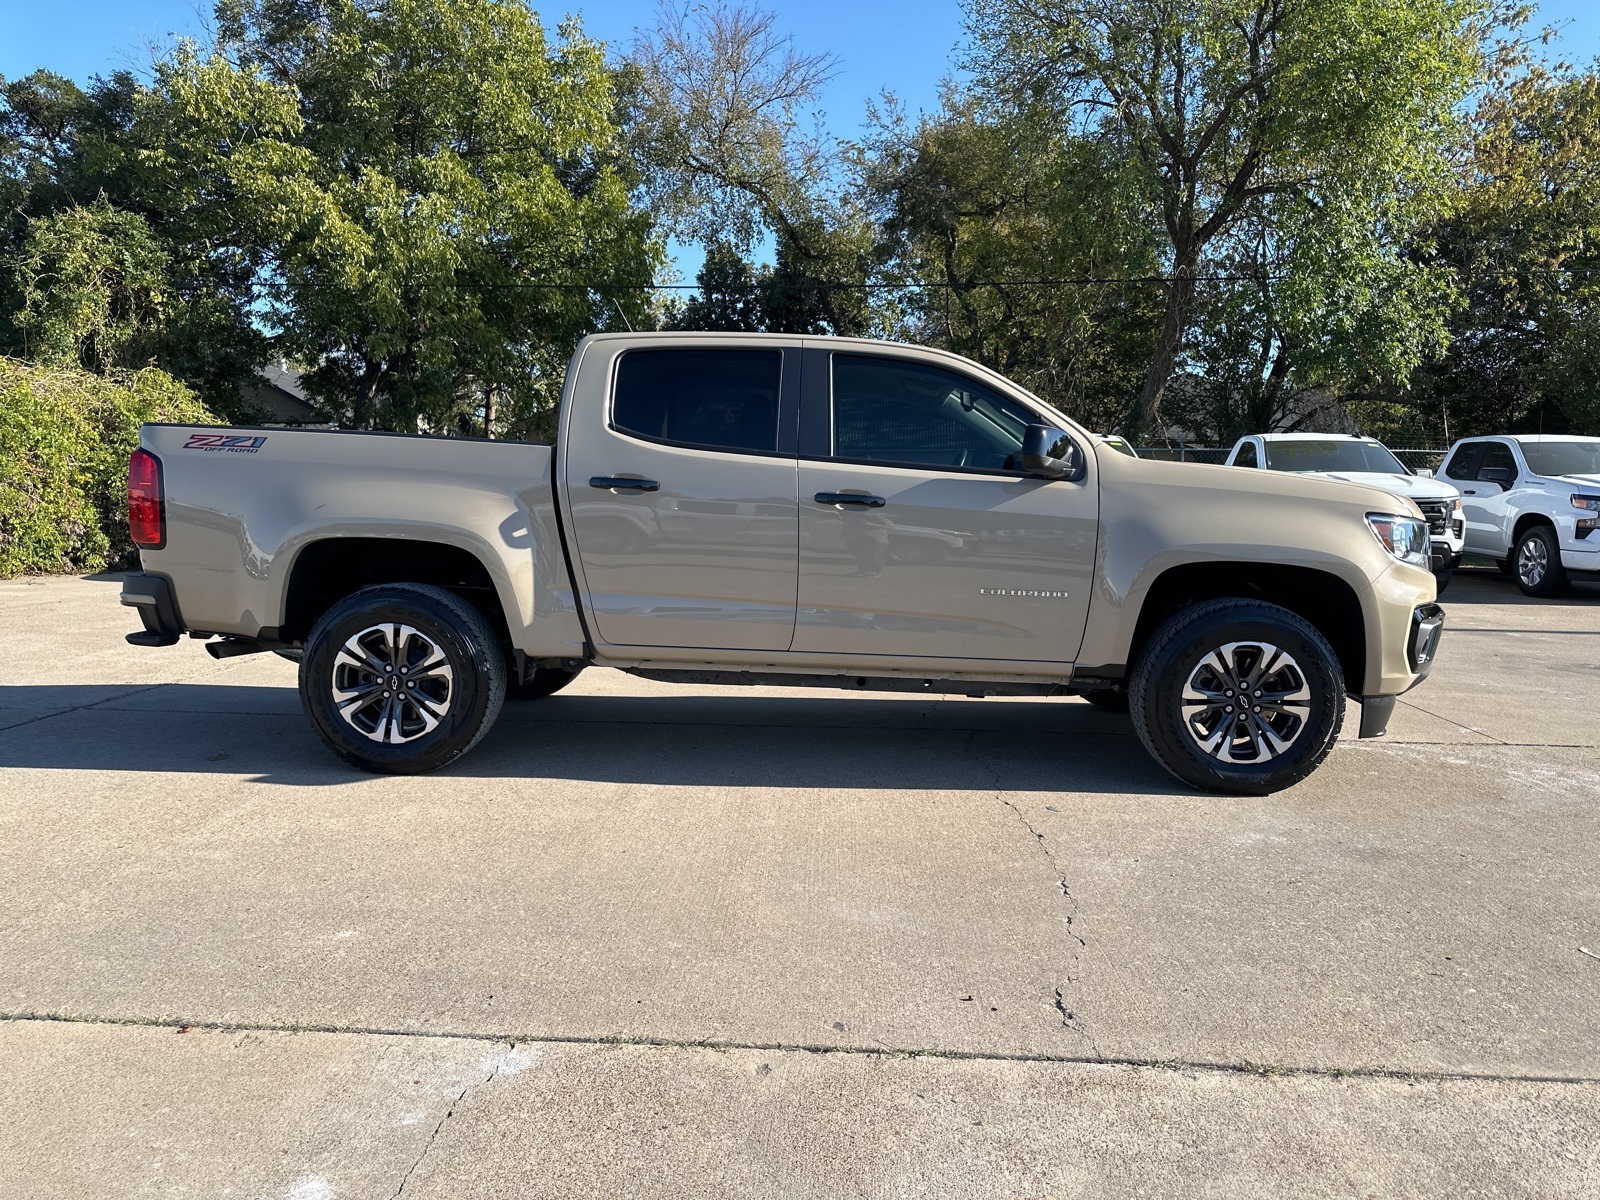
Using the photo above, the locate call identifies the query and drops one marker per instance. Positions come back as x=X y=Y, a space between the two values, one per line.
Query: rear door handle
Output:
x=1468 y=492
x=618 y=483
x=853 y=499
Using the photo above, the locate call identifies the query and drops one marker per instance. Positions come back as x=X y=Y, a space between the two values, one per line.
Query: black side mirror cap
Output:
x=1051 y=454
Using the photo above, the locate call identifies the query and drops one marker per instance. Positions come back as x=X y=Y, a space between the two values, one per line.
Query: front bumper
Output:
x=153 y=596
x=1422 y=644
x=1443 y=557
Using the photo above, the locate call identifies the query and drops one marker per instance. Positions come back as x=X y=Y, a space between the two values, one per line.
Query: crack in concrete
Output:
x=511 y=1048
x=714 y=1045
x=1070 y=1021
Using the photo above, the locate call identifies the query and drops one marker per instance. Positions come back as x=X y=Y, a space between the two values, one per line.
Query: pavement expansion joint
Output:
x=520 y=1042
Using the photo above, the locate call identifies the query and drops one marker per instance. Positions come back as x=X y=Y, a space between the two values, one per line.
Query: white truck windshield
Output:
x=1580 y=456
x=1343 y=454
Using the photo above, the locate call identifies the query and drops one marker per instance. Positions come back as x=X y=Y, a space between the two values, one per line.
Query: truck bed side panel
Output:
x=238 y=515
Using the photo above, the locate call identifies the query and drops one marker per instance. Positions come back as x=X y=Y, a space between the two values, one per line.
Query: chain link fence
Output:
x=1415 y=458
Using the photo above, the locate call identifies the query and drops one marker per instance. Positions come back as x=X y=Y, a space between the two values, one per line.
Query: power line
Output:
x=863 y=287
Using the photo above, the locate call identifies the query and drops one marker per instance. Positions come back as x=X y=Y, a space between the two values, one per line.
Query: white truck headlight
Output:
x=1592 y=503
x=1404 y=537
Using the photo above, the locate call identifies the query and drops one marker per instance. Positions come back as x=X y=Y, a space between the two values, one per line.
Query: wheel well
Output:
x=326 y=572
x=1525 y=522
x=1326 y=601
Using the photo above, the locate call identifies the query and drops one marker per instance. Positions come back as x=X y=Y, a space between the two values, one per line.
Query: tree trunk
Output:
x=491 y=402
x=365 y=402
x=1174 y=324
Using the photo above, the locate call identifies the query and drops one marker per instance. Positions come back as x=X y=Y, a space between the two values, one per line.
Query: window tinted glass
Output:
x=716 y=399
x=1497 y=454
x=1563 y=458
x=1343 y=454
x=891 y=411
x=1463 y=463
x=1247 y=455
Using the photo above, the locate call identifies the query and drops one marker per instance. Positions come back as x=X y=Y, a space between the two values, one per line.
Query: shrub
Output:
x=65 y=437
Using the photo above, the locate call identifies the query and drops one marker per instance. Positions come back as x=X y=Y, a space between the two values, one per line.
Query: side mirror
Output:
x=1423 y=473
x=1051 y=453
x=1504 y=476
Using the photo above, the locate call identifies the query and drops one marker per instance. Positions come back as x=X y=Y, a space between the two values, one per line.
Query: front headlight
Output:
x=1592 y=503
x=1404 y=537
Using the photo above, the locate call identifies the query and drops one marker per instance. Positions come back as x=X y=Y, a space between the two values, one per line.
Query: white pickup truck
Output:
x=786 y=510
x=1532 y=503
x=1351 y=458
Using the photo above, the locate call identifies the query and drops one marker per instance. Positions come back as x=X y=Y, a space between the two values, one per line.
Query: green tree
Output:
x=1331 y=121
x=723 y=121
x=69 y=158
x=95 y=284
x=1525 y=242
x=435 y=202
x=997 y=230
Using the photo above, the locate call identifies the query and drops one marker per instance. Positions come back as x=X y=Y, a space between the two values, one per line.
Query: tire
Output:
x=546 y=681
x=1537 y=563
x=447 y=643
x=1111 y=699
x=1237 y=634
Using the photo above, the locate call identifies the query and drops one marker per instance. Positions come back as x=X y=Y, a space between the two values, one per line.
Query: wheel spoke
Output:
x=1263 y=726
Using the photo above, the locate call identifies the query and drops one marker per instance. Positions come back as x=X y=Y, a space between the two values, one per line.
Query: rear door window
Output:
x=704 y=399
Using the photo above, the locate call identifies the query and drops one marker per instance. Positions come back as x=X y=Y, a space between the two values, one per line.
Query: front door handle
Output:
x=1468 y=492
x=620 y=483
x=852 y=499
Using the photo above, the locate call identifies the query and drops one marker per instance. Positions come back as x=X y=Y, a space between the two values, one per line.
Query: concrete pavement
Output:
x=764 y=942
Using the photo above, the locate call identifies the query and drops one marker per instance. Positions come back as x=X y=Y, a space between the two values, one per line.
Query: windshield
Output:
x=1345 y=454
x=1580 y=456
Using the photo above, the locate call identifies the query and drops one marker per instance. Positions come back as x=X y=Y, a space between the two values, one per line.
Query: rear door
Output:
x=679 y=481
x=919 y=534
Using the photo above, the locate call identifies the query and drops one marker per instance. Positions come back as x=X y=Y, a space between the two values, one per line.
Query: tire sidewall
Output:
x=1164 y=677
x=1554 y=574
x=471 y=697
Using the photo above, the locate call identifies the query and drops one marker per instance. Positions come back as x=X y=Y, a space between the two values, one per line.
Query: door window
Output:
x=1497 y=455
x=1247 y=455
x=1463 y=463
x=703 y=399
x=891 y=411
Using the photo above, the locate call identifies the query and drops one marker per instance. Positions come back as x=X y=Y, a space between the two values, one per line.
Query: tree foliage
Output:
x=435 y=200
x=1331 y=122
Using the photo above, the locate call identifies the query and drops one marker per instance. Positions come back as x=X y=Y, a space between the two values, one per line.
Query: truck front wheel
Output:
x=1237 y=696
x=402 y=678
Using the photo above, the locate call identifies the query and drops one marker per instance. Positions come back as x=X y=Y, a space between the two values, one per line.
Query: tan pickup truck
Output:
x=793 y=511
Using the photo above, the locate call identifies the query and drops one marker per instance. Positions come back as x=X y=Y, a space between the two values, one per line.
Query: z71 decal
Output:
x=235 y=443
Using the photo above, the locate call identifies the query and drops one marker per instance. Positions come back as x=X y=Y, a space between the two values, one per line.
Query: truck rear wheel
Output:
x=1237 y=696
x=402 y=678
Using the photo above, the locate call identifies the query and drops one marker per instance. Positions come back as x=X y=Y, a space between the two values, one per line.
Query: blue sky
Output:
x=904 y=46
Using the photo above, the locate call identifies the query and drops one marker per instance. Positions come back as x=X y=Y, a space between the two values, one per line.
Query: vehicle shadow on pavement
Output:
x=1486 y=585
x=670 y=740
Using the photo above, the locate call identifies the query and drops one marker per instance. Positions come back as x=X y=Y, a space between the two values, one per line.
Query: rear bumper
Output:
x=157 y=604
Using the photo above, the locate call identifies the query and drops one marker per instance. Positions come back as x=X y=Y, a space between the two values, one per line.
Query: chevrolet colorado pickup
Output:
x=793 y=511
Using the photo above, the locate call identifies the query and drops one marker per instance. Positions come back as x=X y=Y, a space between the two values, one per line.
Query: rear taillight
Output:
x=147 y=510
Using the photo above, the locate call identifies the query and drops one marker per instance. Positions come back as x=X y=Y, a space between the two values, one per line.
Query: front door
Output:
x=680 y=485
x=920 y=536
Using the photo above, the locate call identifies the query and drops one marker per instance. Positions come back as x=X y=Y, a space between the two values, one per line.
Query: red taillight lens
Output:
x=147 y=517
